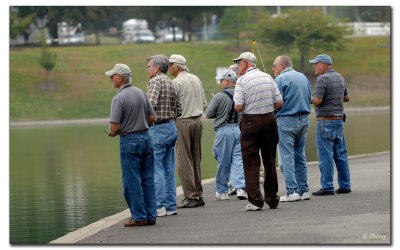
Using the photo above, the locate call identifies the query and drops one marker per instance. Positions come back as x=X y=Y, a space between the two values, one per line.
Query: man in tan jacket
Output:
x=189 y=125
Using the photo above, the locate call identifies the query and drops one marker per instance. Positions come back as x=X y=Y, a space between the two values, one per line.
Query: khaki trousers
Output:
x=188 y=156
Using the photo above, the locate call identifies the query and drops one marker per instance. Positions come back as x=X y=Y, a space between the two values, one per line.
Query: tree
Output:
x=234 y=21
x=19 y=25
x=47 y=59
x=309 y=31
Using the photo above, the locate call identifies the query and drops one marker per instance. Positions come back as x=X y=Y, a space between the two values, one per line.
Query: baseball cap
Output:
x=322 y=58
x=177 y=59
x=248 y=56
x=227 y=74
x=120 y=69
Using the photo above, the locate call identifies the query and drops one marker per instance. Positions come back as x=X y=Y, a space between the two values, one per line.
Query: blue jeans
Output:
x=137 y=165
x=292 y=143
x=228 y=154
x=331 y=148
x=164 y=137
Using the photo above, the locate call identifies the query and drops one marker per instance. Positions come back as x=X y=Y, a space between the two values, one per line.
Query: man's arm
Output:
x=238 y=108
x=152 y=118
x=316 y=101
x=346 y=98
x=278 y=104
x=114 y=128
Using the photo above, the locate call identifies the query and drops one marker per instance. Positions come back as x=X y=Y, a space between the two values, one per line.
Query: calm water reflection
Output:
x=63 y=178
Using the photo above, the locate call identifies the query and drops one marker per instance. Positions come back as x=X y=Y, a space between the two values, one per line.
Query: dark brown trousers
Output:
x=260 y=132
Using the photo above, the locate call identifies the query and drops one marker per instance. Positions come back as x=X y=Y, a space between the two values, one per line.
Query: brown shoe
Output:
x=151 y=222
x=133 y=223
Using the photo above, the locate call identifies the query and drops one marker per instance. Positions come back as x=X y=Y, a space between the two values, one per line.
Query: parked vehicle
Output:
x=167 y=35
x=136 y=31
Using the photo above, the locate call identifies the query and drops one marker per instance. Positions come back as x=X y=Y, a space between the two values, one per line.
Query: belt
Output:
x=329 y=118
x=134 y=132
x=161 y=122
x=251 y=115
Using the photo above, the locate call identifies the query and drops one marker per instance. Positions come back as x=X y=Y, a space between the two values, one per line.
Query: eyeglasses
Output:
x=274 y=66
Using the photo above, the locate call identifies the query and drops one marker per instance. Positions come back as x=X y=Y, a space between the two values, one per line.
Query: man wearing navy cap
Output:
x=330 y=92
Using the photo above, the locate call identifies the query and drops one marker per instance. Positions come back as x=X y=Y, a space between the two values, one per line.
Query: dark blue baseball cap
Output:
x=322 y=58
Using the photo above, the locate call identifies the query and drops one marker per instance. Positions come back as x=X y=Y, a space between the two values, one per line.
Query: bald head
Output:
x=281 y=63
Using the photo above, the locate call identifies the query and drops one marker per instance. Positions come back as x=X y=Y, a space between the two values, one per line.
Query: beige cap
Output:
x=177 y=59
x=248 y=56
x=120 y=69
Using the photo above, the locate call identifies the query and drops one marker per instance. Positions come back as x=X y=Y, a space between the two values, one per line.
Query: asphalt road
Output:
x=360 y=217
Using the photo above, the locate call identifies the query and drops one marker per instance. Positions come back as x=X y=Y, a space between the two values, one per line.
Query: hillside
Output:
x=85 y=92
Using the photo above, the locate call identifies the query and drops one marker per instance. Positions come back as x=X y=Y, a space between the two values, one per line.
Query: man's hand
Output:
x=114 y=128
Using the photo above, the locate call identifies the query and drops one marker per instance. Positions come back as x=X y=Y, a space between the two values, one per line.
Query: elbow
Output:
x=346 y=98
x=238 y=108
x=152 y=118
x=278 y=104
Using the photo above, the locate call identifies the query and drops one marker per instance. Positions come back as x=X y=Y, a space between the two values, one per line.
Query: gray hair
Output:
x=128 y=79
x=285 y=60
x=160 y=60
x=182 y=67
x=234 y=68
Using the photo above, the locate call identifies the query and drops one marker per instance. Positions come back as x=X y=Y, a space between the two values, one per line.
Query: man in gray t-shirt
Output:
x=131 y=113
x=226 y=148
x=329 y=94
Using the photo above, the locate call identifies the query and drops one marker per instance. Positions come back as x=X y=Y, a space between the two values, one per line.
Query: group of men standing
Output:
x=253 y=115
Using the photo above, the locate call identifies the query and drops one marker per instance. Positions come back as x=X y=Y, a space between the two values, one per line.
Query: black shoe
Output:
x=323 y=192
x=188 y=203
x=201 y=201
x=342 y=191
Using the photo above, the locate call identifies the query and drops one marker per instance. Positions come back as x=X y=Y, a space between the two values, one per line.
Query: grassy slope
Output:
x=86 y=92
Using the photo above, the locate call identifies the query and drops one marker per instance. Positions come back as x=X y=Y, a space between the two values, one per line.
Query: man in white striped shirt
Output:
x=257 y=95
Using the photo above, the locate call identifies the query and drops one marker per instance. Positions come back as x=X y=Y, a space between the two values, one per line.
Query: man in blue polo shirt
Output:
x=293 y=124
x=330 y=92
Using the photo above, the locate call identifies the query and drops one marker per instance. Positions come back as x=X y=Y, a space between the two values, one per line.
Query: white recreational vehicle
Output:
x=136 y=31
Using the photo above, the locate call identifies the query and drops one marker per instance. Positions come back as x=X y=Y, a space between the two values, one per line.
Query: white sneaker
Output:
x=291 y=197
x=161 y=212
x=241 y=194
x=305 y=196
x=232 y=191
x=222 y=196
x=171 y=213
x=261 y=179
x=251 y=207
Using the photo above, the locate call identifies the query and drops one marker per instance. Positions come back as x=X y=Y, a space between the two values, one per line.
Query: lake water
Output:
x=66 y=177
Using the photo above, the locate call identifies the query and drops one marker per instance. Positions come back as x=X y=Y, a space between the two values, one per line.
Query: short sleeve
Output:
x=116 y=111
x=319 y=88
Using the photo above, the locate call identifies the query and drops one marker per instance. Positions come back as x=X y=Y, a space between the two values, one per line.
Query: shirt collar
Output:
x=124 y=86
x=229 y=87
x=287 y=70
x=249 y=69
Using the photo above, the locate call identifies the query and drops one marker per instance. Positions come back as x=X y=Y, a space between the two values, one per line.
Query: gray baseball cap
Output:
x=248 y=56
x=227 y=74
x=120 y=69
x=322 y=58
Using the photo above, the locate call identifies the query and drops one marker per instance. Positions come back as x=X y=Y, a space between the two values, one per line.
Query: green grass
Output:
x=85 y=92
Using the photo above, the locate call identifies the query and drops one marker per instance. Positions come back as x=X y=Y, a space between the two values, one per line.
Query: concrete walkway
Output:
x=360 y=217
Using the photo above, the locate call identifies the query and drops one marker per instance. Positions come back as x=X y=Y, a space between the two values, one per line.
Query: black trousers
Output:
x=260 y=132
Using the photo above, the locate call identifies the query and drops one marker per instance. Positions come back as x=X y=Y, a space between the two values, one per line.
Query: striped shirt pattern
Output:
x=163 y=96
x=257 y=92
x=331 y=88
